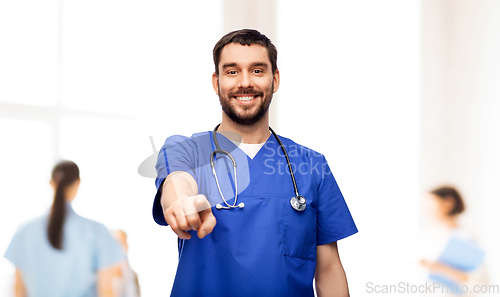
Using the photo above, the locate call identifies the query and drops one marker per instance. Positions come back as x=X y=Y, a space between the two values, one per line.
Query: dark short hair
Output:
x=246 y=37
x=450 y=192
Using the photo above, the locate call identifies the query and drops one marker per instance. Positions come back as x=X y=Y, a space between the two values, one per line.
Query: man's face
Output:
x=245 y=83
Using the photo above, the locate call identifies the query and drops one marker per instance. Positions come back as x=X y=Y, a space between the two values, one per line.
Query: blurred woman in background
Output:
x=62 y=253
x=451 y=254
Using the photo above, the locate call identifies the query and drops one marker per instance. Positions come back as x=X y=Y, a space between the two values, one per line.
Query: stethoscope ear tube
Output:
x=219 y=151
x=212 y=164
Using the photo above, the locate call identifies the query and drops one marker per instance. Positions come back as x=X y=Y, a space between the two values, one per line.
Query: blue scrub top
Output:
x=266 y=248
x=87 y=247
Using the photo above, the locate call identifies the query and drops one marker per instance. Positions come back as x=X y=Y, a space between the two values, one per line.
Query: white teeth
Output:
x=245 y=98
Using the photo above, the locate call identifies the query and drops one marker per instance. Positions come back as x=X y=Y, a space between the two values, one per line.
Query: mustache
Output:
x=245 y=92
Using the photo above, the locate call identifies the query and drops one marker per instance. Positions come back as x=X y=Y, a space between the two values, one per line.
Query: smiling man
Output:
x=245 y=83
x=246 y=228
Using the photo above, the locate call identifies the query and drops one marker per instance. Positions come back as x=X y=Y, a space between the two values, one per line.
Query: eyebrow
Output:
x=264 y=64
x=228 y=65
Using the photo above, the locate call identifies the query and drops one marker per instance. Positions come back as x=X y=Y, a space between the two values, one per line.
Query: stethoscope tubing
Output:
x=287 y=161
x=212 y=164
x=298 y=202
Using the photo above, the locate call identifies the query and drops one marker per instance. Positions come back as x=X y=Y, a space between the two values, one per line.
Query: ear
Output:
x=215 y=83
x=276 y=81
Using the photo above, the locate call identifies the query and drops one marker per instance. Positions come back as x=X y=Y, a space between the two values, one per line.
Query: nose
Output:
x=245 y=80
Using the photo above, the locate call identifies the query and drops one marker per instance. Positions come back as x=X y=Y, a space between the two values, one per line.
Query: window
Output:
x=91 y=81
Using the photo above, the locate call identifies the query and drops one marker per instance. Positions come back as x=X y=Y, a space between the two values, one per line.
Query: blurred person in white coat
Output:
x=444 y=206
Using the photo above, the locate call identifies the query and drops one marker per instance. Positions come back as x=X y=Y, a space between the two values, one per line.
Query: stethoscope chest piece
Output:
x=298 y=203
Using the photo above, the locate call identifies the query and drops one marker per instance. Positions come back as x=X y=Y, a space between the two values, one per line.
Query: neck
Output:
x=450 y=222
x=256 y=133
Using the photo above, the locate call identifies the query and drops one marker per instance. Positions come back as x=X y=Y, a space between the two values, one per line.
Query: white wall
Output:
x=461 y=110
x=350 y=89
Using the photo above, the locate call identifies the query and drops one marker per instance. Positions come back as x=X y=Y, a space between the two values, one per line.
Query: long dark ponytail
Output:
x=64 y=174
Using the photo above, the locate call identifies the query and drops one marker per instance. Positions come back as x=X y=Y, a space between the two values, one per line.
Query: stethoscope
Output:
x=298 y=202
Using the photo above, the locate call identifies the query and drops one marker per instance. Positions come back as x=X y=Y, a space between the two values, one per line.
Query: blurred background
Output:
x=400 y=96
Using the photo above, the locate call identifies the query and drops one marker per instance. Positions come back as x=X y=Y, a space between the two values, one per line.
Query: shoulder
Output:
x=183 y=145
x=195 y=138
x=85 y=227
x=89 y=223
x=32 y=225
x=192 y=143
x=27 y=234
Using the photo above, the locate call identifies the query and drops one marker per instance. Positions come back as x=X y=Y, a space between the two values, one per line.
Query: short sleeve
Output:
x=108 y=250
x=334 y=218
x=15 y=251
x=177 y=154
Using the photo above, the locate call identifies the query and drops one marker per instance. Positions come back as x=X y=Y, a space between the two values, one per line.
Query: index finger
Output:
x=193 y=208
x=208 y=223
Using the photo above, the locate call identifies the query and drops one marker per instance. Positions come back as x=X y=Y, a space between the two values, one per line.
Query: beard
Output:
x=246 y=117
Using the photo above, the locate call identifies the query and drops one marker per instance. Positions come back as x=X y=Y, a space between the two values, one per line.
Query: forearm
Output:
x=177 y=184
x=105 y=281
x=330 y=277
x=106 y=291
x=332 y=283
x=454 y=273
x=19 y=288
x=450 y=272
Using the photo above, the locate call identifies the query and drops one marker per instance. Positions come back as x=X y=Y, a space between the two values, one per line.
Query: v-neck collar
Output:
x=234 y=147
